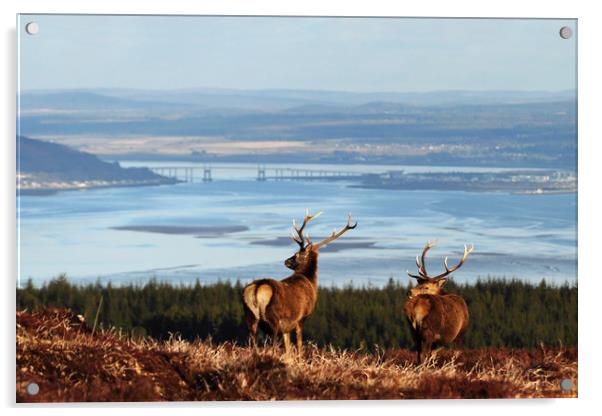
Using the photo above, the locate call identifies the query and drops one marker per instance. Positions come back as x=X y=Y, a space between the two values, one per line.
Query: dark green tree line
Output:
x=508 y=313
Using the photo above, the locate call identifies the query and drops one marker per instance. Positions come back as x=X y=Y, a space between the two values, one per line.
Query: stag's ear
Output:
x=441 y=282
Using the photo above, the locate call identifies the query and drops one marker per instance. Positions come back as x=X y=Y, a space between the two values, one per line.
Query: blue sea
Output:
x=529 y=237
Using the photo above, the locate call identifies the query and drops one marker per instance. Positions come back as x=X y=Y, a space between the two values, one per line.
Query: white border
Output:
x=590 y=136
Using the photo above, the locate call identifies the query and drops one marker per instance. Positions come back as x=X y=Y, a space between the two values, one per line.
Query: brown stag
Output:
x=435 y=316
x=283 y=305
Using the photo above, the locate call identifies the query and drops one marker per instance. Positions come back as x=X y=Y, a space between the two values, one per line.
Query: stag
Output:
x=435 y=316
x=283 y=305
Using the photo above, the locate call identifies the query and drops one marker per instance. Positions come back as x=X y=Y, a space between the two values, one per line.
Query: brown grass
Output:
x=58 y=351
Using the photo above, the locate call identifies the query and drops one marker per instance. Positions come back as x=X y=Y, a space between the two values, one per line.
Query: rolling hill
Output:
x=44 y=163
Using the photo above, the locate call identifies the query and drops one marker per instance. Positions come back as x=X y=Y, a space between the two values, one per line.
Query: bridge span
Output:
x=263 y=173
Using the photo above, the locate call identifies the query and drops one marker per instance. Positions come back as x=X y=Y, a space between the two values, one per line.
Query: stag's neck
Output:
x=310 y=269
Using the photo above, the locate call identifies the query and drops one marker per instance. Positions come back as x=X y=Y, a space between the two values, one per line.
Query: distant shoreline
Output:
x=312 y=158
x=46 y=191
x=467 y=189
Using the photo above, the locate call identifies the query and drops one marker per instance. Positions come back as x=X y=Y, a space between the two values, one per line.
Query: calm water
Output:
x=526 y=236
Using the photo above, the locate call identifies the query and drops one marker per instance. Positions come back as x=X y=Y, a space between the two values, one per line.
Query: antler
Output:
x=336 y=234
x=308 y=218
x=422 y=274
x=421 y=263
x=447 y=271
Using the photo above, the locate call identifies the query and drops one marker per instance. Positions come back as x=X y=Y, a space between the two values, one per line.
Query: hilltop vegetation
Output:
x=59 y=352
x=44 y=164
x=502 y=313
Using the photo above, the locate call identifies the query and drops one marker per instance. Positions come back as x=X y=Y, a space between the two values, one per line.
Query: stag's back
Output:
x=438 y=317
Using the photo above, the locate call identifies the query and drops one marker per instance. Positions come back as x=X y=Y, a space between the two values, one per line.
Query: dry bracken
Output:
x=59 y=352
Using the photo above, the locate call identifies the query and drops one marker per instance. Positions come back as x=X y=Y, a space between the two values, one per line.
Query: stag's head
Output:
x=428 y=285
x=308 y=250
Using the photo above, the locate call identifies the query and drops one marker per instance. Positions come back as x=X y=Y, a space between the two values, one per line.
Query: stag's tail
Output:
x=257 y=297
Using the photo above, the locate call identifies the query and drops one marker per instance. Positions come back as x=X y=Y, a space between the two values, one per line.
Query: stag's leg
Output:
x=426 y=350
x=299 y=335
x=253 y=338
x=418 y=350
x=275 y=330
x=287 y=342
x=459 y=342
x=275 y=345
x=252 y=325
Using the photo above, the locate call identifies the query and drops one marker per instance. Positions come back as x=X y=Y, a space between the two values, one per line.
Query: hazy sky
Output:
x=353 y=54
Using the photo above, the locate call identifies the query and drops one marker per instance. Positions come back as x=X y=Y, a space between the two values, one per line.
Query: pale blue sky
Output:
x=352 y=54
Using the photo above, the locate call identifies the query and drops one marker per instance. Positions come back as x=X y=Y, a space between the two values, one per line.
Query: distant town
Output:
x=519 y=181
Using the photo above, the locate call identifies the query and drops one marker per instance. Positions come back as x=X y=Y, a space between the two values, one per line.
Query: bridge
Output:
x=205 y=173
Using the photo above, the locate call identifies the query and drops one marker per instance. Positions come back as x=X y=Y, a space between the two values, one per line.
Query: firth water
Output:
x=237 y=228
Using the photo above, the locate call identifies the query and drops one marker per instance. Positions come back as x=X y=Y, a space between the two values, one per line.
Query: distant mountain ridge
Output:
x=283 y=99
x=520 y=128
x=85 y=100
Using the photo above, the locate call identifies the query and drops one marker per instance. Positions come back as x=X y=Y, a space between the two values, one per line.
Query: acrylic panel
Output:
x=180 y=178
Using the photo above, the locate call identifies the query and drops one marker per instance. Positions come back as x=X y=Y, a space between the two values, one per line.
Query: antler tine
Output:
x=308 y=218
x=421 y=271
x=308 y=239
x=467 y=251
x=421 y=264
x=349 y=221
x=296 y=240
x=335 y=234
x=414 y=276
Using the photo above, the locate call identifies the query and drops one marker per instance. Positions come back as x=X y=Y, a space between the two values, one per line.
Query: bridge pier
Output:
x=261 y=174
x=207 y=174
